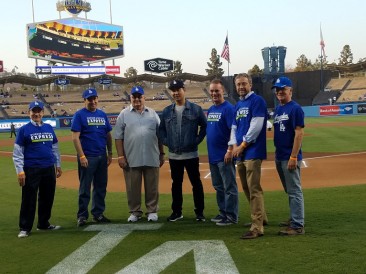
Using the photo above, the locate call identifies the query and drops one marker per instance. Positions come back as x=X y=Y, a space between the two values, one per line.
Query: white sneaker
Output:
x=152 y=217
x=133 y=219
x=23 y=234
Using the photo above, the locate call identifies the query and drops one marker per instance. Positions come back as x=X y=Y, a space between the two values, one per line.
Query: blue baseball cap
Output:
x=138 y=90
x=282 y=82
x=89 y=93
x=36 y=104
x=176 y=84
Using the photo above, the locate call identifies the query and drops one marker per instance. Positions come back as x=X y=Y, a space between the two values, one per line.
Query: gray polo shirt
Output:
x=139 y=132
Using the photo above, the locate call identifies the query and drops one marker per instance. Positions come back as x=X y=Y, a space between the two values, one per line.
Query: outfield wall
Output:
x=335 y=110
x=310 y=111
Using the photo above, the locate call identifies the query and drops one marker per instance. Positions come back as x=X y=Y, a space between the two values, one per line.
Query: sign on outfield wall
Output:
x=335 y=110
x=361 y=108
x=158 y=65
x=328 y=110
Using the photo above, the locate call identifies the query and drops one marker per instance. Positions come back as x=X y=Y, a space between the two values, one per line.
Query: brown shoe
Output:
x=292 y=231
x=265 y=223
x=251 y=235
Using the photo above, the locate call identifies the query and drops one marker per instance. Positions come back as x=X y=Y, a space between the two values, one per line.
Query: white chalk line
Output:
x=208 y=174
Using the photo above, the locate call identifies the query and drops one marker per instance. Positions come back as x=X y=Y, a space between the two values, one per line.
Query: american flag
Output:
x=225 y=51
x=322 y=44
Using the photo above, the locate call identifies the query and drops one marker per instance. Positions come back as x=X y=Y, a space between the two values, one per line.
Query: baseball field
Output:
x=334 y=182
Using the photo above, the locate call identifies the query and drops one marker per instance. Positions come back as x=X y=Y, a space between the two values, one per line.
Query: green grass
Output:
x=317 y=139
x=335 y=224
x=346 y=138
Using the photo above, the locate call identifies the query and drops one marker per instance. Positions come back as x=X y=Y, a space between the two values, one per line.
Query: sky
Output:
x=188 y=30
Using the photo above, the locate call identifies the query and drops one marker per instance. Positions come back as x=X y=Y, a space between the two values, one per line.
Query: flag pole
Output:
x=228 y=61
x=228 y=68
x=226 y=54
x=321 y=58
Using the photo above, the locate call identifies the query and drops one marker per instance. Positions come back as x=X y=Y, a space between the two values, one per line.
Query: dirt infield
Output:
x=319 y=170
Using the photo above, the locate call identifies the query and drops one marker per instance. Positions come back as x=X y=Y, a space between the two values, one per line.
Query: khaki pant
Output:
x=250 y=175
x=133 y=178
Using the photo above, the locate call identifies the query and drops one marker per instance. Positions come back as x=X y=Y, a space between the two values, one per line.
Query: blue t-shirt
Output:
x=93 y=128
x=245 y=110
x=37 y=142
x=286 y=119
x=219 y=120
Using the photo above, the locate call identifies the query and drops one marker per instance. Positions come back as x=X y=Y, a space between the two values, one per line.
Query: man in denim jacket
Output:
x=182 y=128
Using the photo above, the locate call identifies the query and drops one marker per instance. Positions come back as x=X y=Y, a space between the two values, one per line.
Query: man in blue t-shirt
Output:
x=288 y=134
x=219 y=120
x=91 y=135
x=37 y=162
x=249 y=139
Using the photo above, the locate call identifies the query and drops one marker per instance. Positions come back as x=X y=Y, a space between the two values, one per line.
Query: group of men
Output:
x=236 y=139
x=239 y=133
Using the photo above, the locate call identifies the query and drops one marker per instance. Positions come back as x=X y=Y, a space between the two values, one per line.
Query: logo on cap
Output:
x=282 y=82
x=137 y=89
x=176 y=84
x=89 y=93
x=36 y=104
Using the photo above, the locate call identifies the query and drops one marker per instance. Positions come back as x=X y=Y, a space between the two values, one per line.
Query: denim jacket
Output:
x=193 y=129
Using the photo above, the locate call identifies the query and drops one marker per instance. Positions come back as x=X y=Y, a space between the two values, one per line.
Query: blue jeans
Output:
x=224 y=181
x=291 y=182
x=96 y=173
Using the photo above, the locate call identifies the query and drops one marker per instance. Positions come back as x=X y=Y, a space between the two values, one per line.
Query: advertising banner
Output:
x=5 y=125
x=64 y=70
x=158 y=65
x=105 y=81
x=346 y=109
x=112 y=119
x=361 y=108
x=65 y=122
x=328 y=110
x=62 y=82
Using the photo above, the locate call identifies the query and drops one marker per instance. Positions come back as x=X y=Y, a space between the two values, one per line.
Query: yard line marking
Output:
x=83 y=259
x=337 y=155
x=320 y=157
x=210 y=256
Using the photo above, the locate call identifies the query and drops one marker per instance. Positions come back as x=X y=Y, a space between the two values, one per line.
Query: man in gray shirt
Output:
x=139 y=154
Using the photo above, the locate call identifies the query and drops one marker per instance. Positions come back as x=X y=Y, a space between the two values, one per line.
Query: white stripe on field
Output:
x=88 y=255
x=209 y=256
